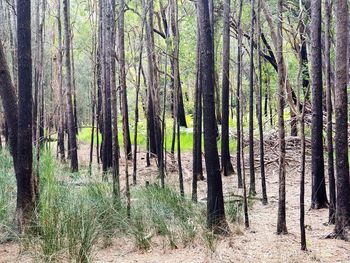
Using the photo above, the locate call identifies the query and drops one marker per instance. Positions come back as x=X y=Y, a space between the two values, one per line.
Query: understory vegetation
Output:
x=78 y=212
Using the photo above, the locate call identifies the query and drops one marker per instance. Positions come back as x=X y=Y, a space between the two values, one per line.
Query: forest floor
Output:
x=259 y=243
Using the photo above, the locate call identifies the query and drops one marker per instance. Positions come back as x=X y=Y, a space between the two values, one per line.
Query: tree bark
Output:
x=332 y=197
x=215 y=204
x=122 y=78
x=238 y=96
x=341 y=120
x=70 y=115
x=225 y=149
x=24 y=172
x=281 y=218
x=319 y=197
x=251 y=103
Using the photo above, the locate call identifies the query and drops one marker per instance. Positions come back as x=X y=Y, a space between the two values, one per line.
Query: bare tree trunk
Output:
x=281 y=218
x=122 y=77
x=332 y=197
x=342 y=218
x=60 y=139
x=10 y=106
x=197 y=125
x=70 y=115
x=318 y=196
x=26 y=196
x=259 y=111
x=251 y=104
x=215 y=204
x=239 y=98
x=226 y=164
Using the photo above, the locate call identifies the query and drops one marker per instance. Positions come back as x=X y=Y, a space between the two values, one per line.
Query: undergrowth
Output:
x=77 y=213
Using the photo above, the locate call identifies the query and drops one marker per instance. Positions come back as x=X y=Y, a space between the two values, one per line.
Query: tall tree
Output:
x=341 y=119
x=238 y=96
x=259 y=109
x=197 y=172
x=60 y=139
x=107 y=49
x=251 y=102
x=69 y=92
x=122 y=77
x=319 y=197
x=153 y=107
x=215 y=201
x=281 y=217
x=24 y=171
x=225 y=150
x=332 y=197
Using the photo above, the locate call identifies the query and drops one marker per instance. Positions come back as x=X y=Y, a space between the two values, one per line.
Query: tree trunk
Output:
x=332 y=197
x=259 y=111
x=225 y=149
x=215 y=204
x=197 y=124
x=122 y=78
x=251 y=104
x=9 y=103
x=60 y=139
x=239 y=98
x=281 y=218
x=107 y=50
x=70 y=115
x=319 y=197
x=342 y=219
x=24 y=172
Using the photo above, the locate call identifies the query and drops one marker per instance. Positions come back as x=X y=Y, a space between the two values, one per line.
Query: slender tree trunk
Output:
x=330 y=150
x=107 y=49
x=259 y=111
x=115 y=142
x=239 y=98
x=60 y=140
x=281 y=218
x=319 y=197
x=122 y=77
x=197 y=124
x=215 y=206
x=70 y=115
x=225 y=149
x=251 y=104
x=342 y=218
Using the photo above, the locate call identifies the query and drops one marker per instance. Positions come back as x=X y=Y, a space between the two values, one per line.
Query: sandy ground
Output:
x=259 y=243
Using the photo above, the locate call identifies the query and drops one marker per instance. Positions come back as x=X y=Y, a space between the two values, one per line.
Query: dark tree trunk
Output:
x=122 y=78
x=281 y=217
x=251 y=104
x=114 y=108
x=197 y=125
x=60 y=139
x=106 y=76
x=342 y=218
x=225 y=150
x=24 y=172
x=215 y=204
x=153 y=92
x=319 y=197
x=238 y=97
x=70 y=114
x=330 y=150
